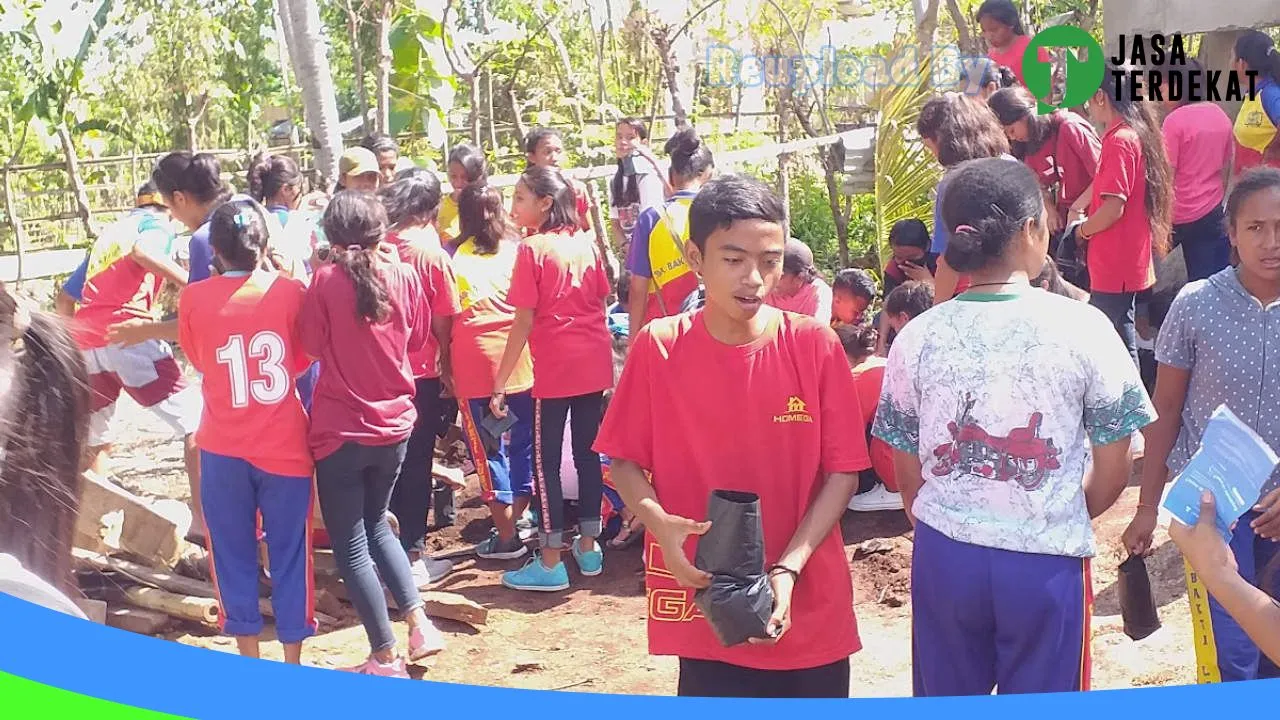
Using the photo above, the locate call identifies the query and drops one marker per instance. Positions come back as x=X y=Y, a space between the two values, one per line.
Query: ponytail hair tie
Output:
x=354 y=248
x=966 y=228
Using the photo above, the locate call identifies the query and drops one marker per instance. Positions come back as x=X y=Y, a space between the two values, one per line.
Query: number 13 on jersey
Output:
x=271 y=385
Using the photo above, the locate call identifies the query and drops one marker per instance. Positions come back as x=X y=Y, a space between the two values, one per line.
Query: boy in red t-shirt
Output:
x=742 y=396
x=240 y=330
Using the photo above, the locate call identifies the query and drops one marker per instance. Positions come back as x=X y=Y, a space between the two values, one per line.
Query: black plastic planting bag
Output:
x=1137 y=604
x=739 y=601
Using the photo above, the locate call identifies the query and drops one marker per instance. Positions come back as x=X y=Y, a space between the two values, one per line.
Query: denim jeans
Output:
x=1119 y=309
x=1205 y=245
x=355 y=486
x=411 y=499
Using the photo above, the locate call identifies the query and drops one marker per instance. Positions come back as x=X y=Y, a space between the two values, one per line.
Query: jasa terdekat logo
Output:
x=1165 y=75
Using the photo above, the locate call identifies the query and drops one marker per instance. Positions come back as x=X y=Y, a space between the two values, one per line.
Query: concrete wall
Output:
x=1220 y=20
x=1186 y=16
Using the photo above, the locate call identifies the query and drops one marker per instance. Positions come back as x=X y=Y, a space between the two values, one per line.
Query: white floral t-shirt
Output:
x=1001 y=396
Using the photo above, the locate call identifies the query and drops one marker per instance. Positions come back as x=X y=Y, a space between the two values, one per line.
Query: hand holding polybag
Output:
x=739 y=602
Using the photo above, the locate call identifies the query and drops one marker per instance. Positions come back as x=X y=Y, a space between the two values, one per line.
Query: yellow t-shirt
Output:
x=481 y=330
x=447 y=221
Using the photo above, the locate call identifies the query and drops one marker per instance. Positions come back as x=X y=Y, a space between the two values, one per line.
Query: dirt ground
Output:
x=592 y=637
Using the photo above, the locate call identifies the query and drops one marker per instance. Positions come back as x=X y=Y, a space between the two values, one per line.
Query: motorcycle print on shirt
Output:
x=1022 y=456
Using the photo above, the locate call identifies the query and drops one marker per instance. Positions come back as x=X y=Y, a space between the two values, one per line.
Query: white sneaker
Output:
x=876 y=499
x=429 y=571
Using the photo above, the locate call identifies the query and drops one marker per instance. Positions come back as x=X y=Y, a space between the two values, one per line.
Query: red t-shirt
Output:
x=561 y=277
x=681 y=413
x=365 y=391
x=241 y=333
x=1012 y=58
x=868 y=378
x=1069 y=159
x=1120 y=256
x=118 y=288
x=582 y=201
x=423 y=251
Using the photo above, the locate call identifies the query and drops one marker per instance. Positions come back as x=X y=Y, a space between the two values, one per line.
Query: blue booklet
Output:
x=1233 y=463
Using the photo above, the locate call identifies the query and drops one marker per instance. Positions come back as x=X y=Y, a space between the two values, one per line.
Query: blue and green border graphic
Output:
x=55 y=666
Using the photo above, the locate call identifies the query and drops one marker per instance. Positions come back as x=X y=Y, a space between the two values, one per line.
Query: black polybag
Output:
x=1137 y=603
x=739 y=600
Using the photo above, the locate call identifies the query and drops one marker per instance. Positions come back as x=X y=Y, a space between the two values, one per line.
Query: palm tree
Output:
x=304 y=38
x=905 y=171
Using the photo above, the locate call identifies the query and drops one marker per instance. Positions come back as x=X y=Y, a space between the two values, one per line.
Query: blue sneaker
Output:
x=590 y=563
x=537 y=577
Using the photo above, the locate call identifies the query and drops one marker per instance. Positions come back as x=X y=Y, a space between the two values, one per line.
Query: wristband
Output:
x=780 y=568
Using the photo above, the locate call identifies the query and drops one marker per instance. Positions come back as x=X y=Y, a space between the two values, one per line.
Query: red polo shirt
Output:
x=1069 y=158
x=421 y=248
x=561 y=278
x=1120 y=256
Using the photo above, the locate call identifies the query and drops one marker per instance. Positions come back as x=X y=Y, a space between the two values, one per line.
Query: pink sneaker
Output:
x=425 y=642
x=393 y=669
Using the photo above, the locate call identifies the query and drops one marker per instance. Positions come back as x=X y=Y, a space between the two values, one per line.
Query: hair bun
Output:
x=685 y=142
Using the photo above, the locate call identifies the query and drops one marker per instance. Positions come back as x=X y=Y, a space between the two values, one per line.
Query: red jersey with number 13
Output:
x=241 y=333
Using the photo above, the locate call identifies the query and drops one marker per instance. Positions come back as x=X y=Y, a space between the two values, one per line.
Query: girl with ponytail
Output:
x=1131 y=209
x=364 y=315
x=1040 y=383
x=276 y=182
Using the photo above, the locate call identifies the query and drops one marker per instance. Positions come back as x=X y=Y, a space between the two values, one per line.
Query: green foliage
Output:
x=905 y=170
x=422 y=88
x=811 y=222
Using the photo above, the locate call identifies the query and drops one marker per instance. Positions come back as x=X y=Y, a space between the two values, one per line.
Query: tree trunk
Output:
x=671 y=72
x=15 y=222
x=570 y=82
x=282 y=49
x=834 y=194
x=384 y=66
x=926 y=17
x=311 y=66
x=488 y=109
x=613 y=42
x=965 y=34
x=77 y=182
x=473 y=112
x=784 y=180
x=602 y=93
x=737 y=106
x=357 y=61
x=517 y=114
